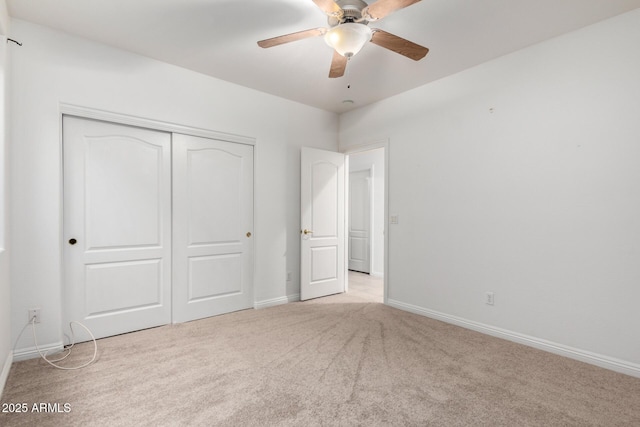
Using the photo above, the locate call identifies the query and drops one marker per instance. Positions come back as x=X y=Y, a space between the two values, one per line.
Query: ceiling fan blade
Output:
x=382 y=8
x=288 y=38
x=338 y=65
x=329 y=7
x=399 y=45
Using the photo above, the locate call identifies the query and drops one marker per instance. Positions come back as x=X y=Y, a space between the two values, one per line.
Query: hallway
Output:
x=366 y=286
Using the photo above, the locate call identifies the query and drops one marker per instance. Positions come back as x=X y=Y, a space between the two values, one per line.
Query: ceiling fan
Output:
x=349 y=31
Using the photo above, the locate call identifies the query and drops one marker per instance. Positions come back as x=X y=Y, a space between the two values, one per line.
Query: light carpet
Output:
x=333 y=361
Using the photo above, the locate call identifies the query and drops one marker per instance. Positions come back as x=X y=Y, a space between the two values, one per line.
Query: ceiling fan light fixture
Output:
x=348 y=38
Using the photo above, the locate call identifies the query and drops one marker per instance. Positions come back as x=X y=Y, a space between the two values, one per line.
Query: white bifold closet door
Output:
x=143 y=248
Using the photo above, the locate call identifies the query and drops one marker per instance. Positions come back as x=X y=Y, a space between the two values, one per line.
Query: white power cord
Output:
x=32 y=322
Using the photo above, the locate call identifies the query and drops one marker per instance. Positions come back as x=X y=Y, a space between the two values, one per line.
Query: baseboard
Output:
x=377 y=274
x=276 y=301
x=5 y=372
x=293 y=297
x=606 y=362
x=32 y=352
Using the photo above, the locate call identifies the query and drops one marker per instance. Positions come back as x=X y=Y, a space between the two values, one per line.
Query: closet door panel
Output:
x=212 y=224
x=117 y=226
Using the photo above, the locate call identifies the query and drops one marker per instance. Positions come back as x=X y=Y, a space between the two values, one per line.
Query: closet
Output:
x=157 y=226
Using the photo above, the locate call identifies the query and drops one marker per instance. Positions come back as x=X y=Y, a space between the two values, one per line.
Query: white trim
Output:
x=5 y=372
x=109 y=116
x=32 y=352
x=276 y=301
x=600 y=360
x=4 y=20
x=347 y=215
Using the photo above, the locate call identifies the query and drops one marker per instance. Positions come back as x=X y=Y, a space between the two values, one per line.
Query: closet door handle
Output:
x=248 y=234
x=72 y=241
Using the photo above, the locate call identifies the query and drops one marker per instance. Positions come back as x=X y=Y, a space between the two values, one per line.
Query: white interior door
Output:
x=322 y=223
x=117 y=226
x=213 y=222
x=359 y=220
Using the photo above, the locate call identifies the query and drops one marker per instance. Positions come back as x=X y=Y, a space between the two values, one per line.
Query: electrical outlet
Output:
x=34 y=313
x=488 y=298
x=288 y=276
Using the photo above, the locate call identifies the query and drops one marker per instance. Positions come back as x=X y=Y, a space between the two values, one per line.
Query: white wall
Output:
x=374 y=159
x=5 y=299
x=53 y=68
x=520 y=176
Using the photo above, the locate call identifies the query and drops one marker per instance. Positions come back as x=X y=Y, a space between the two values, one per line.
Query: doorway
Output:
x=366 y=219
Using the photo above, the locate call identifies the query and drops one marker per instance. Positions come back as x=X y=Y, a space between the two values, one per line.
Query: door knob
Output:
x=248 y=234
x=72 y=241
x=305 y=232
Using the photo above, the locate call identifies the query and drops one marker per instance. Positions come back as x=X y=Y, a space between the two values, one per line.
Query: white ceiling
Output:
x=218 y=38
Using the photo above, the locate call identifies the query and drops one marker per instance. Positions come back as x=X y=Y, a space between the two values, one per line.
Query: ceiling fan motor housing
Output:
x=351 y=12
